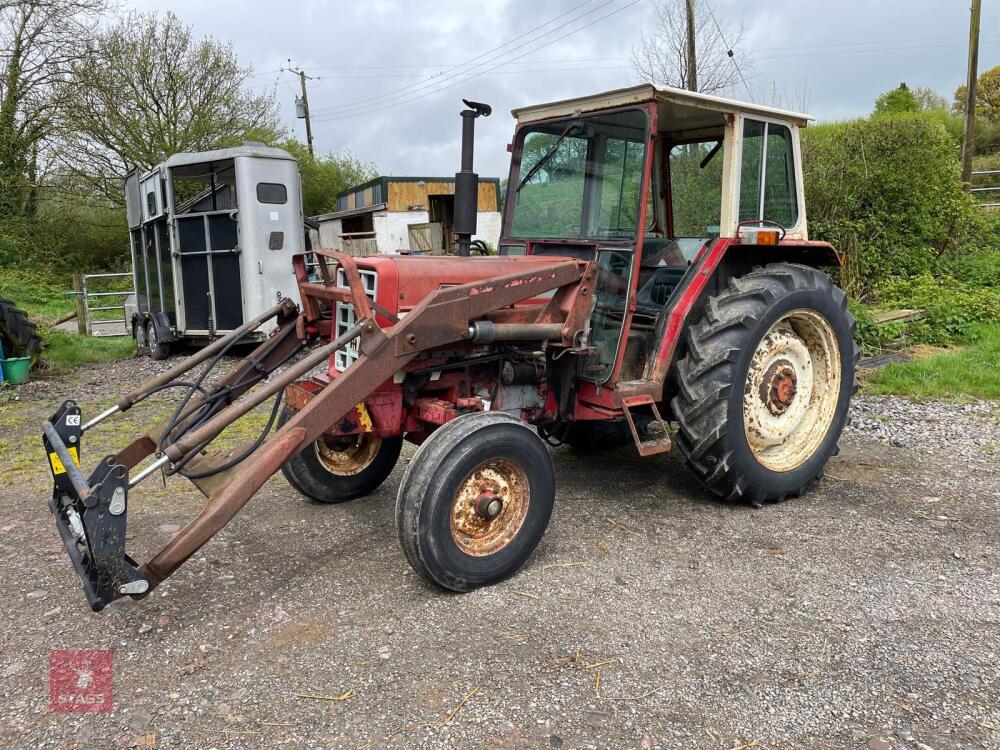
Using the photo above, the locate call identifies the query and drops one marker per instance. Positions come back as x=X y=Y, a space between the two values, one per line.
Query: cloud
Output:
x=372 y=61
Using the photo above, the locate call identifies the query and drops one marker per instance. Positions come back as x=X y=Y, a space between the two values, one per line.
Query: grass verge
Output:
x=972 y=372
x=64 y=350
x=43 y=298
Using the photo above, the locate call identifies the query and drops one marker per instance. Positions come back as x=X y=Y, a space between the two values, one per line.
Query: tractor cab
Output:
x=647 y=181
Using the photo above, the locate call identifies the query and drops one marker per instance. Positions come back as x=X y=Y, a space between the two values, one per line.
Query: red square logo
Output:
x=80 y=681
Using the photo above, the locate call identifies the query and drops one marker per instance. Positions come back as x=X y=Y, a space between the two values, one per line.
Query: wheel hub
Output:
x=779 y=386
x=490 y=507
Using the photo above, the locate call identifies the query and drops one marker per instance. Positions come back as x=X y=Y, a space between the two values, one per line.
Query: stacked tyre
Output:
x=18 y=334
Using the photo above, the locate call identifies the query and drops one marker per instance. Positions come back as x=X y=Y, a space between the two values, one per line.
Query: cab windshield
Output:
x=580 y=178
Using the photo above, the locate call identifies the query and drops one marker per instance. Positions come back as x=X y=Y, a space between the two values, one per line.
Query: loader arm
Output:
x=90 y=514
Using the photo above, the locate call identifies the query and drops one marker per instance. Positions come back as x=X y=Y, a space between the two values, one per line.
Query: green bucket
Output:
x=15 y=369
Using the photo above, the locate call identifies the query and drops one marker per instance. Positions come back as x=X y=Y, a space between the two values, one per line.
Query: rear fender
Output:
x=721 y=261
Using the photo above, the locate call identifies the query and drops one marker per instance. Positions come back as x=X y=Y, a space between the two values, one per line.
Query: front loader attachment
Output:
x=91 y=513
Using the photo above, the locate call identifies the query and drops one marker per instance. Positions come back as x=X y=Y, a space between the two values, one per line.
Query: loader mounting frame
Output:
x=91 y=513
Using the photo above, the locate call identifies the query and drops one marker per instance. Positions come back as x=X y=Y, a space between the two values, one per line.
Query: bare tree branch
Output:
x=148 y=89
x=660 y=57
x=39 y=39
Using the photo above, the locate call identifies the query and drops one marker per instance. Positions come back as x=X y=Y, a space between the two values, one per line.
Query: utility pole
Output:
x=969 y=144
x=692 y=57
x=302 y=105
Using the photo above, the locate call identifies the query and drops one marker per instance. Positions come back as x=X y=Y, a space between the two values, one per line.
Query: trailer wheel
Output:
x=139 y=334
x=335 y=470
x=765 y=385
x=20 y=339
x=157 y=349
x=475 y=501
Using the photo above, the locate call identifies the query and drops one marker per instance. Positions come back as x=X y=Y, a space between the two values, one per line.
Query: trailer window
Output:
x=271 y=192
x=767 y=175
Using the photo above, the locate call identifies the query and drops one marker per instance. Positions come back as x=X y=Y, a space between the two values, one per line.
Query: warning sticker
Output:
x=57 y=465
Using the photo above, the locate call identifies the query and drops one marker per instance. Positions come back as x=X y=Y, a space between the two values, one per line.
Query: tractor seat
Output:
x=661 y=269
x=661 y=251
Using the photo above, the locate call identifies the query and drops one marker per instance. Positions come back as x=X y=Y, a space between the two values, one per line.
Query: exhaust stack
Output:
x=467 y=181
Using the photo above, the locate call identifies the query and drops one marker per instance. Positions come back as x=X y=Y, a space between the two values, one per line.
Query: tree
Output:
x=930 y=100
x=149 y=89
x=325 y=176
x=987 y=96
x=898 y=101
x=39 y=42
x=661 y=55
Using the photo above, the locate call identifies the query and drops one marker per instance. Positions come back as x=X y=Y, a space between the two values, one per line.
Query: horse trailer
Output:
x=212 y=234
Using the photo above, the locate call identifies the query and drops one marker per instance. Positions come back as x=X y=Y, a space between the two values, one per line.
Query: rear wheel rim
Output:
x=792 y=390
x=490 y=507
x=346 y=456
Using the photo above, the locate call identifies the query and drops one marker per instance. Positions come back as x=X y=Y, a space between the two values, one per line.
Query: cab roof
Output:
x=648 y=93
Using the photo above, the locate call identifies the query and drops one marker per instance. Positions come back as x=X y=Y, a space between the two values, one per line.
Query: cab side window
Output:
x=767 y=174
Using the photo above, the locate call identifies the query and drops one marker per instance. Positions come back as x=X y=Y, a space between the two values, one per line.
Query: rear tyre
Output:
x=475 y=501
x=157 y=349
x=19 y=335
x=765 y=385
x=335 y=470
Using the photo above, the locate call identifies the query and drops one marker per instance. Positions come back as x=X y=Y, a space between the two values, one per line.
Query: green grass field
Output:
x=44 y=298
x=65 y=351
x=971 y=372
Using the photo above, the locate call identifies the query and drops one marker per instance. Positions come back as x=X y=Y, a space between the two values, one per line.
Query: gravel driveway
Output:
x=865 y=614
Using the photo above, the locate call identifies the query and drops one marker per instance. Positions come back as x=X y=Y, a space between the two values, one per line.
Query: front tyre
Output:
x=475 y=501
x=338 y=469
x=765 y=385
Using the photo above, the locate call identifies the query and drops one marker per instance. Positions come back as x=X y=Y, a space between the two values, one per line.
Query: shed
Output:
x=390 y=214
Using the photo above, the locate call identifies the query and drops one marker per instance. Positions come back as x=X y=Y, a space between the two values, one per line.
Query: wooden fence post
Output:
x=81 y=304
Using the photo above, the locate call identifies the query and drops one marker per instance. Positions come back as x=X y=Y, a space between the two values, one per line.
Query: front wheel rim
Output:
x=792 y=390
x=347 y=456
x=490 y=507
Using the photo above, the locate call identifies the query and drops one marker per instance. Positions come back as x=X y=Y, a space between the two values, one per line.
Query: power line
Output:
x=451 y=73
x=500 y=72
x=450 y=70
x=455 y=65
x=482 y=73
x=860 y=51
x=729 y=50
x=961 y=40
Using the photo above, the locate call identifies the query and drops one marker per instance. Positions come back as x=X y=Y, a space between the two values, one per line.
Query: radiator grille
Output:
x=345 y=318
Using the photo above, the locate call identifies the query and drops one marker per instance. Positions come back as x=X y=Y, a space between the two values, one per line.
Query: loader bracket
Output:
x=91 y=519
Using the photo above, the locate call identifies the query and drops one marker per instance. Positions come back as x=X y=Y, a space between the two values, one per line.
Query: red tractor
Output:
x=654 y=267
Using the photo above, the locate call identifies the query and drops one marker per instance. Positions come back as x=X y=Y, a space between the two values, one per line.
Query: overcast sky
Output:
x=373 y=60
